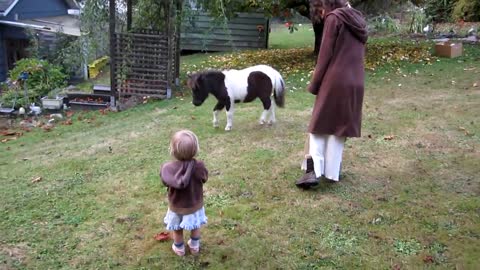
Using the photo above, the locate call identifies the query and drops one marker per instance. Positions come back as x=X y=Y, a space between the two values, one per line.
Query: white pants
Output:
x=326 y=152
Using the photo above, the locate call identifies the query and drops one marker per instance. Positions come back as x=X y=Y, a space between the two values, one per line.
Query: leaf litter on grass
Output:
x=301 y=61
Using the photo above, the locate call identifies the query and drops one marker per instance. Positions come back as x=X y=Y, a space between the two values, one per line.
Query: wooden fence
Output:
x=144 y=63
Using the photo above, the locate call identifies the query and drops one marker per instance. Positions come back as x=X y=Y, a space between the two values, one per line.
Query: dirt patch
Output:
x=14 y=254
x=5 y=123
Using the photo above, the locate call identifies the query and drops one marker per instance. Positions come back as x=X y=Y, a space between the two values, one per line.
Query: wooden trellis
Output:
x=144 y=62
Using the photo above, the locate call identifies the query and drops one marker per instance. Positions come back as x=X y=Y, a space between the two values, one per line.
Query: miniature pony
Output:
x=234 y=86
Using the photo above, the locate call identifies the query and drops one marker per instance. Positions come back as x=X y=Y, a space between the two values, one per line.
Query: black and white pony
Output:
x=234 y=86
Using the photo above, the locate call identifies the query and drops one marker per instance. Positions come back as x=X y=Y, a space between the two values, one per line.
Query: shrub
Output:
x=43 y=77
x=383 y=24
x=440 y=10
x=467 y=10
x=418 y=20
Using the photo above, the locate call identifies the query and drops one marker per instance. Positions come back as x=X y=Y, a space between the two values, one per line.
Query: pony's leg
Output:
x=216 y=109
x=230 y=110
x=272 y=114
x=267 y=106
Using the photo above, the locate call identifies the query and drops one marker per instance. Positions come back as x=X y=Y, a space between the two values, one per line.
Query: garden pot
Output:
x=52 y=103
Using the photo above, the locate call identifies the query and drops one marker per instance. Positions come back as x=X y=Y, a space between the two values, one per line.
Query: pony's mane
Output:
x=192 y=81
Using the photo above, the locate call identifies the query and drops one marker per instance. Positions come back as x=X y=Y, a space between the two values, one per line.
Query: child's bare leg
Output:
x=195 y=233
x=194 y=242
x=178 y=246
x=177 y=236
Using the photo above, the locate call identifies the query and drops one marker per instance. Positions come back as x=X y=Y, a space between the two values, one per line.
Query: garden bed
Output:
x=85 y=101
x=101 y=89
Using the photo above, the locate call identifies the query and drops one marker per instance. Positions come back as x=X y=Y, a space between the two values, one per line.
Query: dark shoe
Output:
x=307 y=180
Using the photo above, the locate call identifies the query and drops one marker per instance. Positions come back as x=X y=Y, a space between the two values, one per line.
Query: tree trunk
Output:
x=318 y=30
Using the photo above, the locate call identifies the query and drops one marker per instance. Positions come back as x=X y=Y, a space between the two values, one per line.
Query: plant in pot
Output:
x=52 y=101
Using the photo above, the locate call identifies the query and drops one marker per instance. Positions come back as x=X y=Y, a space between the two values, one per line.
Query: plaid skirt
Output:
x=175 y=222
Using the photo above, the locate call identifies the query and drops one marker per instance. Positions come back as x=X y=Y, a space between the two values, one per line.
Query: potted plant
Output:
x=53 y=101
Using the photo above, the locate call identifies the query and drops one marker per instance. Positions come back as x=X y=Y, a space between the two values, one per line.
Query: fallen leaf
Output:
x=8 y=133
x=47 y=128
x=389 y=137
x=428 y=259
x=396 y=267
x=68 y=122
x=37 y=179
x=162 y=237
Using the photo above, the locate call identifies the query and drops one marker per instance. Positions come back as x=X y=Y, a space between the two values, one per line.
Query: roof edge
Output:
x=12 y=5
x=72 y=4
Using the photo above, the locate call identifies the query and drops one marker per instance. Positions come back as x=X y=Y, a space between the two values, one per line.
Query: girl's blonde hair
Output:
x=184 y=145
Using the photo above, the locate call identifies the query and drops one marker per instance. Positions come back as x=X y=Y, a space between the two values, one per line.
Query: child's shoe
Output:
x=194 y=249
x=180 y=251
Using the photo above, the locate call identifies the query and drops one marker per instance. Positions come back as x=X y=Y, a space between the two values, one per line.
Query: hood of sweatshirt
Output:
x=354 y=20
x=177 y=174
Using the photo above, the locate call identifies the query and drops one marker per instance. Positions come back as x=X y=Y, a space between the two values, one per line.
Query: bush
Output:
x=383 y=24
x=440 y=10
x=467 y=10
x=419 y=19
x=43 y=78
x=453 y=10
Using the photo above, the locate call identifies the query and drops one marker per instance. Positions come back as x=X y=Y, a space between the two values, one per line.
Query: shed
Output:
x=244 y=31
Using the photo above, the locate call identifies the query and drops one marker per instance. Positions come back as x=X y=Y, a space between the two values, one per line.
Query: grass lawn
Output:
x=409 y=197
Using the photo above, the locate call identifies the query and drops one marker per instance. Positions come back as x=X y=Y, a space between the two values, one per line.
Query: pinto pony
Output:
x=234 y=86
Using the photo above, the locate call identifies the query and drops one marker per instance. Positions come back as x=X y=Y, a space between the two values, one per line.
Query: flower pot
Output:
x=52 y=103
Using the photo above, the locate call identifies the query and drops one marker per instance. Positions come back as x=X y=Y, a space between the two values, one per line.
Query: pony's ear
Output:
x=193 y=79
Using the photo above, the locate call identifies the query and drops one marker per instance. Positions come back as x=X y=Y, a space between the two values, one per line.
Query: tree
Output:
x=96 y=11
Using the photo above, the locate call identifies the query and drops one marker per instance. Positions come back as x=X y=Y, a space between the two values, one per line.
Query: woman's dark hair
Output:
x=330 y=5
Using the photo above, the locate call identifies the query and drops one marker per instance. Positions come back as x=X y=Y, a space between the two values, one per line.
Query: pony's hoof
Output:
x=215 y=125
x=271 y=122
x=228 y=128
x=262 y=122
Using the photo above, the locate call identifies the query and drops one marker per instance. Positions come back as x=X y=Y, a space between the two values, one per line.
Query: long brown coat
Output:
x=338 y=79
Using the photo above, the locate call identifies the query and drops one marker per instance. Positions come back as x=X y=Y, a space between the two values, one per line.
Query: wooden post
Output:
x=113 y=88
x=267 y=33
x=177 y=36
x=169 y=35
x=129 y=15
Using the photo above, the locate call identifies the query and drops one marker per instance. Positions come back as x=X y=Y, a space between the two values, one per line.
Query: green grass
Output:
x=410 y=202
x=283 y=39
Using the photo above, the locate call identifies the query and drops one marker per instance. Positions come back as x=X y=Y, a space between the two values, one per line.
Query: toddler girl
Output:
x=184 y=178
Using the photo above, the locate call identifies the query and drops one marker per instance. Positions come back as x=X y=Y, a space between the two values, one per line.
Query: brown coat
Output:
x=338 y=79
x=184 y=180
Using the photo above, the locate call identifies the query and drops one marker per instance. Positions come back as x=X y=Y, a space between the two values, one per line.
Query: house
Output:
x=46 y=17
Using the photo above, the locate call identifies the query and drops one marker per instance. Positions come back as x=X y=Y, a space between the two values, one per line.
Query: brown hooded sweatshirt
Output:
x=338 y=79
x=184 y=180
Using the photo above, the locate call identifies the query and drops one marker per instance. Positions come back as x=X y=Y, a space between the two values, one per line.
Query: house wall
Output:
x=3 y=57
x=30 y=9
x=203 y=33
x=8 y=33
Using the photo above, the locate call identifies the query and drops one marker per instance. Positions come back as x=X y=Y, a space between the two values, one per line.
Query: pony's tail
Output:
x=279 y=91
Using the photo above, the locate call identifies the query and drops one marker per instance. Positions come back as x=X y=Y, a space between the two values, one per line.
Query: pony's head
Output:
x=203 y=83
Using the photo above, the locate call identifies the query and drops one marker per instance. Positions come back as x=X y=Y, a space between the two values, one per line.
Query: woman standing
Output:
x=338 y=83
